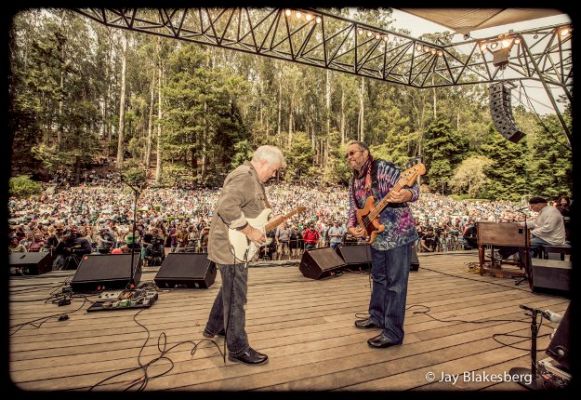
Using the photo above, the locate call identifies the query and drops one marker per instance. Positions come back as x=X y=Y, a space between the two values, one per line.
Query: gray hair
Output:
x=271 y=154
x=361 y=145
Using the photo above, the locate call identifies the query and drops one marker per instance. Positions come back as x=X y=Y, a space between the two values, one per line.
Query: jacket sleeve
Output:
x=235 y=194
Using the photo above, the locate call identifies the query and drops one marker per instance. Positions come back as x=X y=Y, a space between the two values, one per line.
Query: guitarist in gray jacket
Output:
x=243 y=196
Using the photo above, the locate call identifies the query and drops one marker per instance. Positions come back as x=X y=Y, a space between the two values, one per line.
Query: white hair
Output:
x=271 y=154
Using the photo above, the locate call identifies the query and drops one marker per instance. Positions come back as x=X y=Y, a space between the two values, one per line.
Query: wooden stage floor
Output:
x=305 y=326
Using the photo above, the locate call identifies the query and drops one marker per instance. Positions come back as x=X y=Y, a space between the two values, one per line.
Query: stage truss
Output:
x=321 y=39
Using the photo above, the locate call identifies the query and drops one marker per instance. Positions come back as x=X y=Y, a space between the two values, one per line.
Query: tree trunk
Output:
x=106 y=123
x=328 y=101
x=59 y=133
x=149 y=125
x=120 y=147
x=158 y=148
x=361 y=125
x=204 y=158
x=279 y=103
x=434 y=96
x=290 y=123
x=342 y=116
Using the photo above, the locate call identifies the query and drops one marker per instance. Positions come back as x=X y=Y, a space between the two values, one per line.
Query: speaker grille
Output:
x=318 y=263
x=32 y=263
x=501 y=112
x=355 y=255
x=105 y=271
x=186 y=270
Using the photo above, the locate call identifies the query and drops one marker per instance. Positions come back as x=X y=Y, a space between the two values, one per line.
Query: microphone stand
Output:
x=137 y=193
x=535 y=383
x=526 y=255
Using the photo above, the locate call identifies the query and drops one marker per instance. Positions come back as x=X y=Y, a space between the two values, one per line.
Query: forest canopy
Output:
x=82 y=92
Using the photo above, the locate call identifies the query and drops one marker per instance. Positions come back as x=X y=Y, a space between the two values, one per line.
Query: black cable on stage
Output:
x=142 y=382
x=19 y=326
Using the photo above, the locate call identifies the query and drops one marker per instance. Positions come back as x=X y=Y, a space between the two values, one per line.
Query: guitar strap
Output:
x=375 y=186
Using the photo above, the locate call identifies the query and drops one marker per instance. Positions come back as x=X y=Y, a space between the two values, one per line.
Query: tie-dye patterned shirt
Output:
x=400 y=227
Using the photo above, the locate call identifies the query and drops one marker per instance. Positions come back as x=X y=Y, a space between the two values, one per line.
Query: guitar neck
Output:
x=277 y=221
x=383 y=203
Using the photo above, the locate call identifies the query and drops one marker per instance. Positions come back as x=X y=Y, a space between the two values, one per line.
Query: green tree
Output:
x=444 y=149
x=507 y=173
x=550 y=171
x=469 y=176
x=300 y=159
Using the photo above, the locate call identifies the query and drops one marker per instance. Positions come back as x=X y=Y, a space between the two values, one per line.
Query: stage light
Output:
x=309 y=17
x=369 y=34
x=298 y=14
x=384 y=37
x=288 y=13
x=440 y=52
x=377 y=36
x=516 y=40
x=483 y=46
x=564 y=32
x=506 y=43
x=466 y=36
x=318 y=20
x=418 y=47
x=433 y=51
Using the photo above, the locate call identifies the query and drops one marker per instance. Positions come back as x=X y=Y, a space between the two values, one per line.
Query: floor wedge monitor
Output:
x=358 y=256
x=186 y=270
x=30 y=263
x=97 y=272
x=320 y=263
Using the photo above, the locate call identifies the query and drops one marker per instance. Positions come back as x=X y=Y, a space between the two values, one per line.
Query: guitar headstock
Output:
x=409 y=176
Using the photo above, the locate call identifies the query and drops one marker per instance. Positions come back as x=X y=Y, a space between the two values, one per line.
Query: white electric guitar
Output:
x=244 y=249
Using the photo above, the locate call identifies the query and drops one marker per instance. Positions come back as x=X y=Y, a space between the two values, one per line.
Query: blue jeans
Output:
x=228 y=310
x=390 y=271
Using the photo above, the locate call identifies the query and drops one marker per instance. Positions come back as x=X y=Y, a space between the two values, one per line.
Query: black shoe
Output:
x=381 y=342
x=250 y=356
x=365 y=324
x=209 y=335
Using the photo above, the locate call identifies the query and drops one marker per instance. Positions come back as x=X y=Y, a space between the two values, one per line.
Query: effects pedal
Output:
x=552 y=374
x=110 y=295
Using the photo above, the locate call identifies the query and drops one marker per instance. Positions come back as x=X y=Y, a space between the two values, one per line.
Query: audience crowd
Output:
x=97 y=216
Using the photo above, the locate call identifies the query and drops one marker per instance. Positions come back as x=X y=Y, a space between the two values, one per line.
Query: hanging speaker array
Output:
x=501 y=112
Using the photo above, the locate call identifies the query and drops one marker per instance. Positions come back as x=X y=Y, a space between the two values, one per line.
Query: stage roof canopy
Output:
x=466 y=20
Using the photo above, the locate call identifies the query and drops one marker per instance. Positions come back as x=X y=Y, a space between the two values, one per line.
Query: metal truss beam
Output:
x=317 y=38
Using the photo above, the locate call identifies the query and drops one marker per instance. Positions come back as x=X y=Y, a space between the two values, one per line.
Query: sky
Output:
x=534 y=89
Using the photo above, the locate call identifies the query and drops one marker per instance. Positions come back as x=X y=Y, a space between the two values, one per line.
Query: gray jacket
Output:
x=242 y=196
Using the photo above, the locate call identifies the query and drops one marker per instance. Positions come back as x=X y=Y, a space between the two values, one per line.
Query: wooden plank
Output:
x=305 y=326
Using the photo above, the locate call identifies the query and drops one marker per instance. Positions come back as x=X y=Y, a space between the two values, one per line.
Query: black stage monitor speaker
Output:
x=30 y=263
x=560 y=346
x=551 y=275
x=359 y=255
x=501 y=112
x=415 y=262
x=319 y=263
x=186 y=270
x=97 y=272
